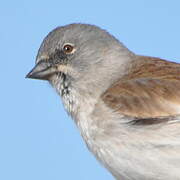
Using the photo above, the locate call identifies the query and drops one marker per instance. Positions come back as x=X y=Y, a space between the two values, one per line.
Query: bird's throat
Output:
x=62 y=84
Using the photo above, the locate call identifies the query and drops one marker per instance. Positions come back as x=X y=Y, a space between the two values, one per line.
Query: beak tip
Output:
x=28 y=75
x=41 y=71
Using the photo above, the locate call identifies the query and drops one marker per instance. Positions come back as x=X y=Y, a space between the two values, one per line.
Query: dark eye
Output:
x=68 y=48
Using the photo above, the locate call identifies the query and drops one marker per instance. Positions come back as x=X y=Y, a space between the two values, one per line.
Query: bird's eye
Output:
x=68 y=48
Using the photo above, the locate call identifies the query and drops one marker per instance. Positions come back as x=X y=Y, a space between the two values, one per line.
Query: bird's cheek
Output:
x=68 y=70
x=62 y=68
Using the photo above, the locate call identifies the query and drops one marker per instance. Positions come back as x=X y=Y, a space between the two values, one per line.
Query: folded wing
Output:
x=150 y=91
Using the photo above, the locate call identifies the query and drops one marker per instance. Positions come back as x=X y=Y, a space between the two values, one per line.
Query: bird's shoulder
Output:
x=150 y=91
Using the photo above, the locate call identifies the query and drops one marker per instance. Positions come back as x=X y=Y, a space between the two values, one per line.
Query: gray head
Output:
x=79 y=52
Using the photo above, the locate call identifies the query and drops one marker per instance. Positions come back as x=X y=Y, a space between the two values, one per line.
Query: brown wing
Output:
x=151 y=89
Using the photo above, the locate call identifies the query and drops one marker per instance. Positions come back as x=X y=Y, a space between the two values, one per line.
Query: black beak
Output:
x=42 y=70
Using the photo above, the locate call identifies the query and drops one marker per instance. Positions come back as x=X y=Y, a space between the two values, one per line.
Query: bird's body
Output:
x=126 y=106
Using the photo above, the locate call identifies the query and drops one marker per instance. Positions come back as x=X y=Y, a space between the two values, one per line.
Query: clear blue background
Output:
x=38 y=141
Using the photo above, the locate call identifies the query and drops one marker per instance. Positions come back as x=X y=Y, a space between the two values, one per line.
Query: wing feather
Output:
x=151 y=89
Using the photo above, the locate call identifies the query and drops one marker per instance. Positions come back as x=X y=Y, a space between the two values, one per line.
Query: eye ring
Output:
x=68 y=48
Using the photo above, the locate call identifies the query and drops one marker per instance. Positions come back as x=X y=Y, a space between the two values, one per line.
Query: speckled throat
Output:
x=63 y=86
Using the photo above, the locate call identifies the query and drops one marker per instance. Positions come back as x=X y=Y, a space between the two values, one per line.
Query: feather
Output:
x=149 y=92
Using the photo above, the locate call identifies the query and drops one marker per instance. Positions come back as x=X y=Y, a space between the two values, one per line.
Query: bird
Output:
x=126 y=106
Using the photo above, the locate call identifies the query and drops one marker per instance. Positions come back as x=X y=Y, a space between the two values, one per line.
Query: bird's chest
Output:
x=80 y=107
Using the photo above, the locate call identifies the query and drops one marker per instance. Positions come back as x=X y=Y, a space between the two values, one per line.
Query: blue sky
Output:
x=38 y=141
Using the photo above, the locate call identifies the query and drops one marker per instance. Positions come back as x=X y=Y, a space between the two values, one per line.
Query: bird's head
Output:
x=76 y=50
